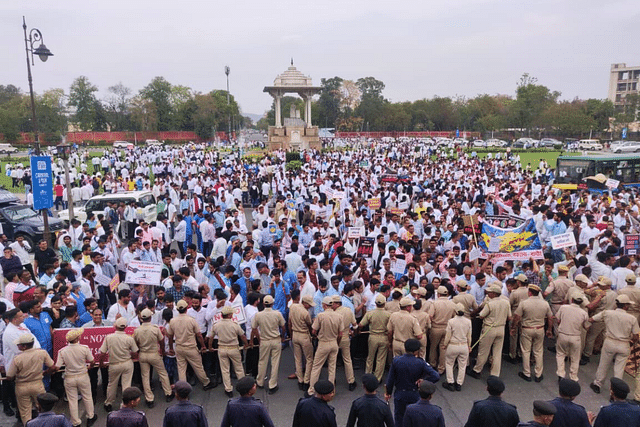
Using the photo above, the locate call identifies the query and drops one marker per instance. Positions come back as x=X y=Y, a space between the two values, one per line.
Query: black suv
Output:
x=18 y=219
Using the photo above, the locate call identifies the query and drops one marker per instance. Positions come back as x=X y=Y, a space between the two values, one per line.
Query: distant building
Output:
x=623 y=81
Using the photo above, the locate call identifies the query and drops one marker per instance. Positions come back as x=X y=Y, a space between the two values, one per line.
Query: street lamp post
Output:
x=35 y=36
x=63 y=153
x=227 y=70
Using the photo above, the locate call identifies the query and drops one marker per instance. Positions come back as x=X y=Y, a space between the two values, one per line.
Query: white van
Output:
x=589 y=144
x=153 y=143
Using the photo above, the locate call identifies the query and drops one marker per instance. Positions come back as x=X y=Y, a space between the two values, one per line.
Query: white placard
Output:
x=403 y=205
x=399 y=266
x=612 y=183
x=339 y=195
x=144 y=273
x=239 y=315
x=354 y=232
x=474 y=254
x=494 y=244
x=561 y=241
x=101 y=280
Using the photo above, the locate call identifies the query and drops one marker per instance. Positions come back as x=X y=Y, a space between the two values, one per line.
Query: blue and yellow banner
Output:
x=519 y=243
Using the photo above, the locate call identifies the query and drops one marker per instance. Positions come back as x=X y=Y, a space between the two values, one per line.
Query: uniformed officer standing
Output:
x=46 y=416
x=184 y=413
x=569 y=414
x=532 y=312
x=518 y=294
x=558 y=289
x=402 y=326
x=440 y=312
x=228 y=332
x=633 y=293
x=327 y=326
x=26 y=370
x=348 y=321
x=269 y=322
x=543 y=414
x=495 y=313
x=377 y=320
x=602 y=299
x=493 y=411
x=127 y=416
x=76 y=377
x=183 y=331
x=424 y=321
x=457 y=342
x=620 y=329
x=465 y=298
x=572 y=322
x=300 y=326
x=619 y=412
x=405 y=375
x=423 y=413
x=369 y=410
x=315 y=411
x=147 y=337
x=246 y=411
x=119 y=346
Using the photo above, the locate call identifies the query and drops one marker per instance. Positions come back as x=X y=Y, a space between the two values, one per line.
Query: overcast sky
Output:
x=418 y=48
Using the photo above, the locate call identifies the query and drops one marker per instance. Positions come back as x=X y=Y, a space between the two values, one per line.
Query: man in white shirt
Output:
x=123 y=308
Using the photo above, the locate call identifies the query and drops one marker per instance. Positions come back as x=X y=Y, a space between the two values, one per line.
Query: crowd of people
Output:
x=416 y=301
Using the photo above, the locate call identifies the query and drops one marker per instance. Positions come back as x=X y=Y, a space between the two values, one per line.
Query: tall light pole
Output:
x=63 y=152
x=35 y=36
x=227 y=70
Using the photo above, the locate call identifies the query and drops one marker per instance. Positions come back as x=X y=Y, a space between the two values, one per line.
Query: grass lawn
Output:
x=534 y=158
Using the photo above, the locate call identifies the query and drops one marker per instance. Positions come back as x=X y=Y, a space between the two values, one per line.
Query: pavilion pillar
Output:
x=308 y=113
x=278 y=111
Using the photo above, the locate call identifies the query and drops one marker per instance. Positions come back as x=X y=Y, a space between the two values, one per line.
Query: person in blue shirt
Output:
x=244 y=282
x=188 y=219
x=619 y=412
x=493 y=411
x=423 y=413
x=323 y=291
x=39 y=323
x=568 y=413
x=280 y=292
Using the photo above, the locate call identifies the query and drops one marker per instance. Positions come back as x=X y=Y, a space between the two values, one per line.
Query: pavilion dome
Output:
x=292 y=77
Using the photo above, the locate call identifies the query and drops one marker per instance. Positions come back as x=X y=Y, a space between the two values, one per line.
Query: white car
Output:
x=589 y=144
x=153 y=143
x=7 y=149
x=496 y=143
x=479 y=143
x=122 y=144
x=460 y=141
x=145 y=201
x=627 y=147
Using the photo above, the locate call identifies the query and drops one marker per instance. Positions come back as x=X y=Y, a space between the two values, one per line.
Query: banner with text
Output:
x=42 y=182
x=144 y=273
x=519 y=243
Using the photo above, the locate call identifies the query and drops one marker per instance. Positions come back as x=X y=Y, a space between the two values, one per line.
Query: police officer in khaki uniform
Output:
x=530 y=315
x=402 y=326
x=602 y=299
x=558 y=289
x=266 y=326
x=573 y=321
x=26 y=369
x=633 y=293
x=183 y=331
x=519 y=293
x=425 y=324
x=348 y=321
x=495 y=313
x=147 y=337
x=228 y=332
x=300 y=327
x=457 y=342
x=467 y=300
x=621 y=328
x=327 y=326
x=74 y=357
x=119 y=346
x=377 y=320
x=441 y=311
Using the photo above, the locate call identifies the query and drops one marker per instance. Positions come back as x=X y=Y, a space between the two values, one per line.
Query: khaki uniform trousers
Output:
x=327 y=351
x=422 y=354
x=490 y=343
x=532 y=339
x=146 y=361
x=378 y=349
x=568 y=346
x=228 y=354
x=302 y=347
x=269 y=349
x=436 y=350
x=26 y=396
x=345 y=348
x=459 y=352
x=616 y=351
x=554 y=311
x=596 y=329
x=74 y=385
x=118 y=372
x=192 y=357
x=513 y=343
x=398 y=348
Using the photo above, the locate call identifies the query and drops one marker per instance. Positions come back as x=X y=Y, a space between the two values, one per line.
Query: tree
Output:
x=117 y=107
x=82 y=97
x=531 y=101
x=159 y=93
x=329 y=103
x=601 y=110
x=569 y=118
x=372 y=103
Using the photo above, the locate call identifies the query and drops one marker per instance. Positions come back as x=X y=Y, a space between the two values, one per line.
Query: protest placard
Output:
x=338 y=195
x=273 y=229
x=403 y=205
x=474 y=254
x=143 y=272
x=365 y=248
x=632 y=244
x=612 y=183
x=239 y=315
x=354 y=232
x=565 y=240
x=374 y=203
x=399 y=266
x=396 y=211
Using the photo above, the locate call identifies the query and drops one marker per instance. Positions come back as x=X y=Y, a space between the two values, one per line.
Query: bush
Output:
x=293 y=156
x=294 y=165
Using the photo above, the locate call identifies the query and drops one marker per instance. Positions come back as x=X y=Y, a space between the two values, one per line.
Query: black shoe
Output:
x=353 y=386
x=210 y=386
x=170 y=397
x=540 y=378
x=108 y=408
x=151 y=404
x=552 y=349
x=229 y=394
x=524 y=377
x=474 y=374
x=274 y=390
x=9 y=412
x=584 y=360
x=92 y=421
x=301 y=386
x=305 y=386
x=449 y=386
x=458 y=387
x=595 y=388
x=193 y=382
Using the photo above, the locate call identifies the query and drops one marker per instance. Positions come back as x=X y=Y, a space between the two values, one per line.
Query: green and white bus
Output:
x=571 y=171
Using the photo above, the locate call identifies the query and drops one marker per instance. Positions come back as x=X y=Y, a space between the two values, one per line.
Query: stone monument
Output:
x=296 y=133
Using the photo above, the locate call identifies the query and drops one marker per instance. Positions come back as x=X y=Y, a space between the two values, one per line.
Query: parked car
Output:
x=478 y=143
x=122 y=144
x=627 y=147
x=589 y=144
x=8 y=149
x=153 y=143
x=549 y=142
x=496 y=143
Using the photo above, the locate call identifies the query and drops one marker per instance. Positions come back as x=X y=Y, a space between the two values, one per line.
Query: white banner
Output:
x=144 y=273
x=561 y=241
x=239 y=315
x=354 y=232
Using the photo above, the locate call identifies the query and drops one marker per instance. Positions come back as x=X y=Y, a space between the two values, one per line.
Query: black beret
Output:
x=370 y=382
x=411 y=345
x=323 y=387
x=182 y=388
x=540 y=407
x=427 y=387
x=568 y=387
x=47 y=398
x=495 y=385
x=131 y=393
x=245 y=384
x=619 y=387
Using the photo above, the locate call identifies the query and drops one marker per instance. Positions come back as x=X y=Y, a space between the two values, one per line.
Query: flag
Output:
x=113 y=284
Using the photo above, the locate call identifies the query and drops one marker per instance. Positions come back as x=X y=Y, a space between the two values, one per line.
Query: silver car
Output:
x=627 y=147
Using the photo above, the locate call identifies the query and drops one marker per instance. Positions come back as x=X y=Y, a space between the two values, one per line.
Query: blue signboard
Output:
x=457 y=133
x=624 y=133
x=42 y=182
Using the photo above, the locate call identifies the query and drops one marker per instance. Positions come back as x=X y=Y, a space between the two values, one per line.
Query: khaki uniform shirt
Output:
x=269 y=321
x=441 y=311
x=517 y=297
x=27 y=366
x=468 y=301
x=119 y=346
x=533 y=311
x=377 y=321
x=574 y=292
x=328 y=324
x=184 y=330
x=495 y=312
x=228 y=332
x=393 y=306
x=634 y=295
x=75 y=358
x=147 y=336
x=423 y=320
x=558 y=289
x=458 y=331
x=300 y=319
x=348 y=319
x=573 y=320
x=619 y=324
x=403 y=326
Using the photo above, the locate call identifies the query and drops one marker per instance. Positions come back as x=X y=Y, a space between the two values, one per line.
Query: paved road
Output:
x=456 y=406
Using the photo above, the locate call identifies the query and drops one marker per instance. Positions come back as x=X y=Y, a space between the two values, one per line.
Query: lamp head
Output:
x=42 y=52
